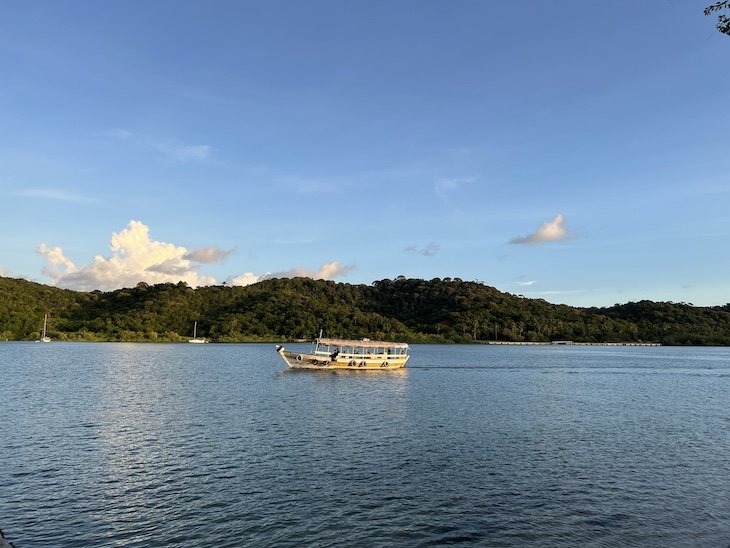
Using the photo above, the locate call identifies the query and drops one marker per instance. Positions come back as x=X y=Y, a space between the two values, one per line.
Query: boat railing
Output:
x=347 y=353
x=375 y=356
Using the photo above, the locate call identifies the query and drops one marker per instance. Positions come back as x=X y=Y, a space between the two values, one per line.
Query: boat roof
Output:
x=362 y=343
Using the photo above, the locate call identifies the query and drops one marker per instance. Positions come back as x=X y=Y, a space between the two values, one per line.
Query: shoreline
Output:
x=480 y=343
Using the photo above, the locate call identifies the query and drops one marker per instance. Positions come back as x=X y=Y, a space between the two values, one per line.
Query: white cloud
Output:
x=443 y=186
x=430 y=249
x=119 y=133
x=528 y=283
x=171 y=148
x=210 y=254
x=4 y=272
x=137 y=258
x=58 y=263
x=181 y=152
x=58 y=195
x=328 y=271
x=134 y=258
x=557 y=292
x=247 y=278
x=551 y=231
x=172 y=266
x=308 y=186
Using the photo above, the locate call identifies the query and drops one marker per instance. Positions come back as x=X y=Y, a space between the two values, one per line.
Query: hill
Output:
x=439 y=310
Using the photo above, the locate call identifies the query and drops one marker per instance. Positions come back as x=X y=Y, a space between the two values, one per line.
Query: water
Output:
x=220 y=445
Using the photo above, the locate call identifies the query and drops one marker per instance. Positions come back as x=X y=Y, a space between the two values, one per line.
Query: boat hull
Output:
x=300 y=360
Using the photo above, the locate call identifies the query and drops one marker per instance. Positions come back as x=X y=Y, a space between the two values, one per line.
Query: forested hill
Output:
x=448 y=310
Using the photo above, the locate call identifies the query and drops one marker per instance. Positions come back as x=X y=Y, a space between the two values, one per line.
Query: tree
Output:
x=402 y=309
x=723 y=21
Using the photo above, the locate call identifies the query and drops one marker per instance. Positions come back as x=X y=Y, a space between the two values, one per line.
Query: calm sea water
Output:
x=220 y=445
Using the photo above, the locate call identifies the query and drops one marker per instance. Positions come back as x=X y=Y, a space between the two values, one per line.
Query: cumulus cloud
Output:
x=172 y=267
x=328 y=271
x=210 y=254
x=430 y=249
x=134 y=258
x=58 y=264
x=551 y=231
x=247 y=278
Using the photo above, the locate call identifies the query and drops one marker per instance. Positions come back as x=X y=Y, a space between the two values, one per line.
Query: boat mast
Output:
x=195 y=330
x=316 y=343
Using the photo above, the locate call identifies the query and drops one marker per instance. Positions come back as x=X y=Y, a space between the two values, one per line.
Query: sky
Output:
x=574 y=151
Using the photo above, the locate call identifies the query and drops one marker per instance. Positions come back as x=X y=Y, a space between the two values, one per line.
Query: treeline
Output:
x=439 y=310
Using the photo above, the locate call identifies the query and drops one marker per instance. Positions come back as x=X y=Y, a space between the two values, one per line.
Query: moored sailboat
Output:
x=44 y=338
x=195 y=338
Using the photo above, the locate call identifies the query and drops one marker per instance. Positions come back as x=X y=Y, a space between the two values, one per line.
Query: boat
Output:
x=360 y=355
x=44 y=338
x=4 y=542
x=195 y=338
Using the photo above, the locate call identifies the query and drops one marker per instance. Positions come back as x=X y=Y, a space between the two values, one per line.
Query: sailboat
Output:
x=44 y=338
x=195 y=338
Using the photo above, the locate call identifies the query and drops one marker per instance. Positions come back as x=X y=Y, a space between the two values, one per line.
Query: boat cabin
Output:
x=361 y=352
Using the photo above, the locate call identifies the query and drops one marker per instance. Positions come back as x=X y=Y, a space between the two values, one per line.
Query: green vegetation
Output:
x=723 y=21
x=439 y=310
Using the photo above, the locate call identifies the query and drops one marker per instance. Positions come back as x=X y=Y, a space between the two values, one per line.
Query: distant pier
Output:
x=570 y=343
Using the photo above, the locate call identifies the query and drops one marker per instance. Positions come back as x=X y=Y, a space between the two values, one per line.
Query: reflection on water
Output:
x=138 y=407
x=166 y=445
x=375 y=373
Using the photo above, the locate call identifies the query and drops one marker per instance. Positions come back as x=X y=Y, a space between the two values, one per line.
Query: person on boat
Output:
x=334 y=354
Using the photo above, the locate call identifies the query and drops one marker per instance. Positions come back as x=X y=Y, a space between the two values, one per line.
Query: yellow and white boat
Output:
x=362 y=355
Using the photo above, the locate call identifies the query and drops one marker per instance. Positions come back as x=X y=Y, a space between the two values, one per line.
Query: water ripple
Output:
x=139 y=445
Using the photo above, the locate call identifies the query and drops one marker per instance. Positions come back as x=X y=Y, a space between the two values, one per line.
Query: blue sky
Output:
x=574 y=151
